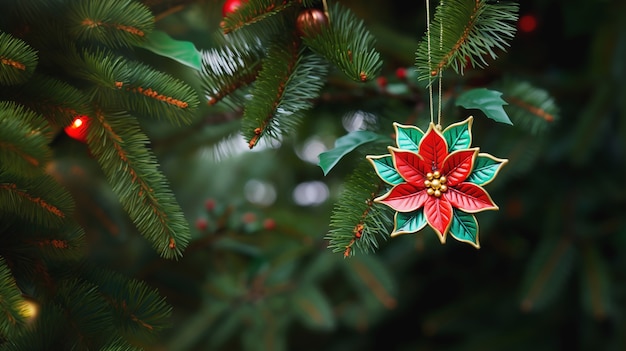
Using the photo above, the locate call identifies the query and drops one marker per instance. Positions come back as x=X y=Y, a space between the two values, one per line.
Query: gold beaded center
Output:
x=435 y=183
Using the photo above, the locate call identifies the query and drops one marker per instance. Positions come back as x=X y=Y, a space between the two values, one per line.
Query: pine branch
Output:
x=139 y=310
x=118 y=145
x=17 y=60
x=347 y=44
x=255 y=11
x=11 y=303
x=149 y=92
x=67 y=243
x=119 y=344
x=290 y=78
x=357 y=220
x=228 y=69
x=114 y=24
x=88 y=314
x=43 y=334
x=54 y=99
x=24 y=139
x=39 y=200
x=135 y=87
x=530 y=108
x=465 y=31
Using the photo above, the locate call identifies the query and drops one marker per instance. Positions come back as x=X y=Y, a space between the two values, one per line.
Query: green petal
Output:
x=459 y=135
x=407 y=223
x=486 y=167
x=464 y=227
x=385 y=169
x=408 y=137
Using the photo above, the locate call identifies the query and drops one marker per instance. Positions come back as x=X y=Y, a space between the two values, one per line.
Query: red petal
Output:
x=470 y=198
x=458 y=165
x=433 y=148
x=404 y=197
x=410 y=166
x=438 y=213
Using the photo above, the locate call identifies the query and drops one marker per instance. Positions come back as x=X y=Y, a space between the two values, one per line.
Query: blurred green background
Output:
x=550 y=274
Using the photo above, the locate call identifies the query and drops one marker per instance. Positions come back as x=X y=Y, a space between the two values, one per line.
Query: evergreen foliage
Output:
x=290 y=76
x=284 y=256
x=79 y=62
x=464 y=32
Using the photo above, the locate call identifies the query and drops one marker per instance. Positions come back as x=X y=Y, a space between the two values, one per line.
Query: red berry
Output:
x=248 y=217
x=269 y=224
x=201 y=224
x=79 y=128
x=231 y=6
x=381 y=81
x=401 y=73
x=209 y=204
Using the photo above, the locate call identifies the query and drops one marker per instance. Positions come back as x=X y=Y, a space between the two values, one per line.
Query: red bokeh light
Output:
x=527 y=23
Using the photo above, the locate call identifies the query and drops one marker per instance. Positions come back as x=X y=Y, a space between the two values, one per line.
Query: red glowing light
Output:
x=78 y=129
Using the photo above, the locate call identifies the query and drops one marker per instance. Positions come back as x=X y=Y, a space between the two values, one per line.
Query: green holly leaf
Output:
x=344 y=145
x=408 y=137
x=464 y=227
x=183 y=52
x=459 y=135
x=385 y=169
x=407 y=223
x=486 y=167
x=488 y=101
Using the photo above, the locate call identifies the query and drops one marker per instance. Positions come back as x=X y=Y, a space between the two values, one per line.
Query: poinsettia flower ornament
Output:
x=437 y=179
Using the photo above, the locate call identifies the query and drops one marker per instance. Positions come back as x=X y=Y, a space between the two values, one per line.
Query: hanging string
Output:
x=440 y=71
x=430 y=85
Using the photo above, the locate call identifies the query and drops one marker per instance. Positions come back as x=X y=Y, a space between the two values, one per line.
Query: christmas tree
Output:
x=235 y=175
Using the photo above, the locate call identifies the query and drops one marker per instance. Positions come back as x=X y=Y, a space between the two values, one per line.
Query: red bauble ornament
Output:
x=311 y=21
x=79 y=128
x=231 y=6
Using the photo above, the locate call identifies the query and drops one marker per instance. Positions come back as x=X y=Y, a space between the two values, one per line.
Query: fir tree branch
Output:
x=138 y=88
x=139 y=310
x=347 y=44
x=17 y=60
x=251 y=12
x=56 y=100
x=227 y=69
x=11 y=303
x=44 y=333
x=290 y=78
x=39 y=200
x=24 y=139
x=114 y=24
x=530 y=108
x=118 y=145
x=67 y=243
x=88 y=314
x=356 y=220
x=465 y=31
